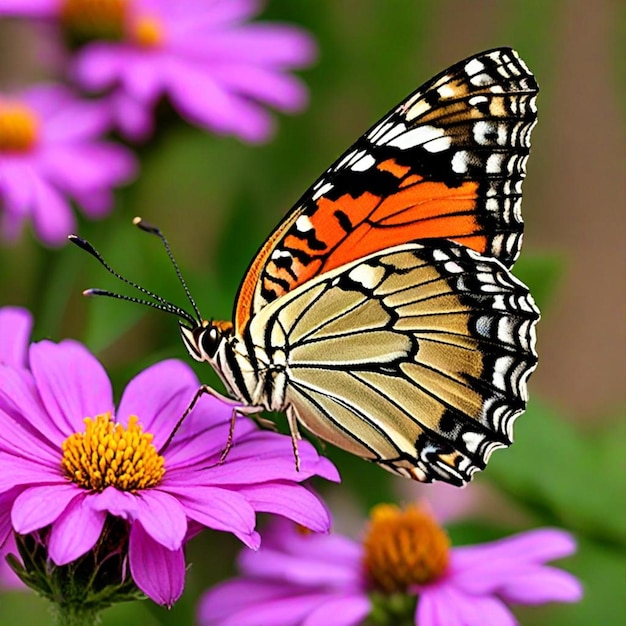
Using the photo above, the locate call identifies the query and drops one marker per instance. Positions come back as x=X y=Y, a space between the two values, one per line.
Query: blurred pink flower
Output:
x=303 y=579
x=69 y=459
x=51 y=151
x=216 y=69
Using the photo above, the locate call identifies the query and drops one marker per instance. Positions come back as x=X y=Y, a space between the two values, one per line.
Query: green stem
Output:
x=73 y=615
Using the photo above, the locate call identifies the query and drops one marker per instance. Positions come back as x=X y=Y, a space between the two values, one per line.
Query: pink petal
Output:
x=294 y=502
x=119 y=503
x=75 y=532
x=250 y=603
x=27 y=429
x=37 y=507
x=345 y=610
x=213 y=15
x=72 y=383
x=266 y=456
x=281 y=91
x=157 y=571
x=52 y=216
x=442 y=605
x=221 y=509
x=77 y=169
x=15 y=326
x=98 y=65
x=162 y=517
x=534 y=546
x=16 y=185
x=133 y=118
x=29 y=8
x=24 y=471
x=76 y=121
x=159 y=396
x=540 y=585
x=6 y=527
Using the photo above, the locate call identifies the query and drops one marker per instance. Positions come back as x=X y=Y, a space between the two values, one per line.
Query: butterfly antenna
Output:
x=161 y=304
x=153 y=230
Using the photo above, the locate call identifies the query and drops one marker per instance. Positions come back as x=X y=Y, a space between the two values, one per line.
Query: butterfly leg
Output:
x=237 y=408
x=292 y=420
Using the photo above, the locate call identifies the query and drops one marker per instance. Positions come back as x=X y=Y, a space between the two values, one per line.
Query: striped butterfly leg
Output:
x=236 y=409
x=415 y=358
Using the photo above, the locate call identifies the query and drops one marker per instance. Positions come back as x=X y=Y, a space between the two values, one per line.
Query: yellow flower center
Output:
x=404 y=548
x=147 y=32
x=107 y=454
x=94 y=19
x=19 y=128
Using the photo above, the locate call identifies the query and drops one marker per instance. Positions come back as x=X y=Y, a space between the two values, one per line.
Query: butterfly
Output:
x=381 y=314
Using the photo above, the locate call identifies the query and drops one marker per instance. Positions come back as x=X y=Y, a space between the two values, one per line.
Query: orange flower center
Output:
x=107 y=454
x=147 y=32
x=94 y=19
x=19 y=127
x=404 y=548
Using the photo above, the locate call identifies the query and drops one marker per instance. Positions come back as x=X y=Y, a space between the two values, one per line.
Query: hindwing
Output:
x=447 y=162
x=416 y=358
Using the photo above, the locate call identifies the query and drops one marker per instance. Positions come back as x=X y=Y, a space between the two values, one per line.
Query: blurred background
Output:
x=217 y=199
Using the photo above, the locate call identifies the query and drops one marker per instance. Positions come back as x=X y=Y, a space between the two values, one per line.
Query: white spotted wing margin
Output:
x=416 y=358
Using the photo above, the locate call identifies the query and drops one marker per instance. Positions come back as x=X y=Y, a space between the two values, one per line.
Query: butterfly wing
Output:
x=416 y=358
x=448 y=162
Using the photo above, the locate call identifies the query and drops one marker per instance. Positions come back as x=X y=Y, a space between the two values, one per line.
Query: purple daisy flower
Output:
x=216 y=69
x=50 y=151
x=69 y=461
x=15 y=327
x=301 y=579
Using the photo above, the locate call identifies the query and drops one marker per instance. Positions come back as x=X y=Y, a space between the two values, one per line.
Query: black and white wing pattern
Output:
x=416 y=358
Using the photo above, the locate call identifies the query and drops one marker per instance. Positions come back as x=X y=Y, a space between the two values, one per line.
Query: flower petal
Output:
x=159 y=396
x=344 y=610
x=162 y=517
x=542 y=584
x=71 y=381
x=221 y=509
x=443 y=605
x=27 y=429
x=157 y=571
x=250 y=603
x=75 y=532
x=18 y=471
x=119 y=503
x=52 y=215
x=292 y=501
x=15 y=326
x=39 y=506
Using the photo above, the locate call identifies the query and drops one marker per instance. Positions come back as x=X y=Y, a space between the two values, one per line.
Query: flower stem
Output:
x=75 y=615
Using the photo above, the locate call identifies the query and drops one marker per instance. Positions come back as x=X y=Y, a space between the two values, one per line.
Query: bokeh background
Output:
x=217 y=199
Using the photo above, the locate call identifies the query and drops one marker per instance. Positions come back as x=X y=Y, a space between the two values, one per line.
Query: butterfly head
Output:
x=203 y=341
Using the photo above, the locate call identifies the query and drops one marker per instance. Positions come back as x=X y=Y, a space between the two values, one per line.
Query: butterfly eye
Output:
x=210 y=341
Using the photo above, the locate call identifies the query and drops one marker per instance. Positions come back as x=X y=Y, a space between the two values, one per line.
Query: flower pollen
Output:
x=147 y=32
x=404 y=548
x=109 y=454
x=19 y=128
x=94 y=19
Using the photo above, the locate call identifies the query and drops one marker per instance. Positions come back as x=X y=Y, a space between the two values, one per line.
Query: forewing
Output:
x=448 y=162
x=416 y=358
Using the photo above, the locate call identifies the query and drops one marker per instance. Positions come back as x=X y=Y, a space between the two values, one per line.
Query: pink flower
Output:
x=302 y=579
x=15 y=326
x=51 y=151
x=216 y=69
x=69 y=459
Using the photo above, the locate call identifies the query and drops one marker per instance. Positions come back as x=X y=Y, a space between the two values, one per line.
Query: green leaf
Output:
x=573 y=479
